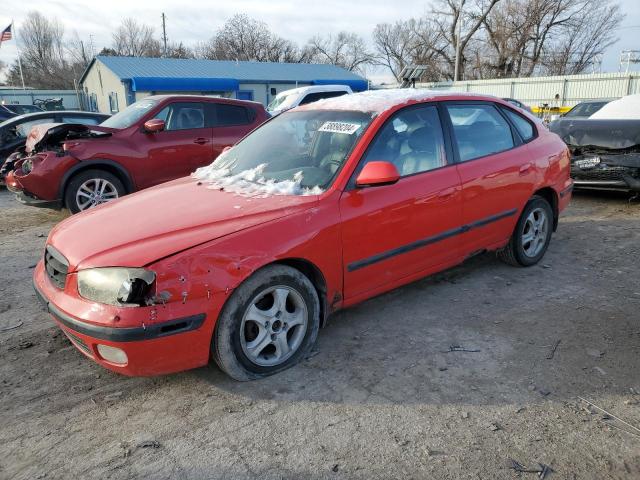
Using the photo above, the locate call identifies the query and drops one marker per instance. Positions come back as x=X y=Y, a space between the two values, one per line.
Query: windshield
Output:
x=296 y=153
x=131 y=114
x=283 y=102
x=585 y=109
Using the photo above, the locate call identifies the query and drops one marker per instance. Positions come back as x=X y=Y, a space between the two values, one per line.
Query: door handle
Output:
x=201 y=141
x=446 y=193
x=525 y=168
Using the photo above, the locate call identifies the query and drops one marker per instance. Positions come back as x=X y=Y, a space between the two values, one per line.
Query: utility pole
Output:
x=164 y=34
x=456 y=66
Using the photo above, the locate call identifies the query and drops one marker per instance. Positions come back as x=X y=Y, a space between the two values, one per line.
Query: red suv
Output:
x=320 y=208
x=156 y=139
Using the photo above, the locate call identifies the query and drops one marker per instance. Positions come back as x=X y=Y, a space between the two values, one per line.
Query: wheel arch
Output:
x=315 y=275
x=551 y=196
x=103 y=164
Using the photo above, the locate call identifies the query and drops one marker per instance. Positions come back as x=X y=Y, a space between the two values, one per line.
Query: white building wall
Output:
x=101 y=81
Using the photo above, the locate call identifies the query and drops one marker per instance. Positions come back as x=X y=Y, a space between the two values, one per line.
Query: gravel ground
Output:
x=380 y=397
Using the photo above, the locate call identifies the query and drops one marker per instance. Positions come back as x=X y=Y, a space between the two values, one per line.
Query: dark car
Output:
x=605 y=153
x=11 y=110
x=152 y=141
x=14 y=131
x=585 y=109
x=518 y=104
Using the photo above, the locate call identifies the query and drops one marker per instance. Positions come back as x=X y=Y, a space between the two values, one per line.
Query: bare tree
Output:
x=501 y=38
x=179 y=50
x=42 y=53
x=133 y=39
x=247 y=39
x=410 y=42
x=345 y=49
x=583 y=38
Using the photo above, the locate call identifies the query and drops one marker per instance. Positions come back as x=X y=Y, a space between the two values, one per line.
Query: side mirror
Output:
x=377 y=173
x=154 y=125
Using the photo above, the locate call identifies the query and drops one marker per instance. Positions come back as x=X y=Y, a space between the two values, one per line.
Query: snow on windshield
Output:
x=625 y=108
x=252 y=182
x=295 y=153
x=376 y=100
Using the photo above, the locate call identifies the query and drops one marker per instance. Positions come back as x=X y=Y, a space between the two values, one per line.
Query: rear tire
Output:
x=91 y=188
x=532 y=234
x=269 y=324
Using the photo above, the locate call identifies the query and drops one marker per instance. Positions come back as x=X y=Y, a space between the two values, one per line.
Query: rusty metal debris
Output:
x=554 y=347
x=460 y=348
x=542 y=470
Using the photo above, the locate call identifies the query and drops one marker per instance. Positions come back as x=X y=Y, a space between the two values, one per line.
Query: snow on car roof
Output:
x=377 y=101
x=625 y=108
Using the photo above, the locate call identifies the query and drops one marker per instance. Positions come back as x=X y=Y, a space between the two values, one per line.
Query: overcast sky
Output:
x=190 y=21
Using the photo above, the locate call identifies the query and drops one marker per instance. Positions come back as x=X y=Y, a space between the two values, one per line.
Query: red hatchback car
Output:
x=154 y=140
x=320 y=208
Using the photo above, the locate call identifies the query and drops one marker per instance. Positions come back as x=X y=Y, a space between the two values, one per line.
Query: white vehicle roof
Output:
x=625 y=108
x=315 y=88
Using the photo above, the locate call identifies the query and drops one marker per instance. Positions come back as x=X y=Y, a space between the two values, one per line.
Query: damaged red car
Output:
x=320 y=208
x=154 y=140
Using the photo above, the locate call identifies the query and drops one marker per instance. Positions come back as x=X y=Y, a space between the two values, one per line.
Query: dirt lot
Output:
x=380 y=398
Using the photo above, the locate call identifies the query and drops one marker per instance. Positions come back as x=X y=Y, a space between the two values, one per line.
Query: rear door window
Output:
x=479 y=130
x=226 y=115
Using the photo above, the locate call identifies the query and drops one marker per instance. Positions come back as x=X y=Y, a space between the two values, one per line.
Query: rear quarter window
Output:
x=524 y=127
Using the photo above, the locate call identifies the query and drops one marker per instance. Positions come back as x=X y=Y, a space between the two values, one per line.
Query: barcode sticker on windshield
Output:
x=339 y=127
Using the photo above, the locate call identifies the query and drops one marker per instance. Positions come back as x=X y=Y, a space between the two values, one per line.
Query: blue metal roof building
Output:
x=114 y=82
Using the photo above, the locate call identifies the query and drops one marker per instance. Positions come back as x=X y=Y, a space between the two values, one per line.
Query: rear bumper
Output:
x=151 y=349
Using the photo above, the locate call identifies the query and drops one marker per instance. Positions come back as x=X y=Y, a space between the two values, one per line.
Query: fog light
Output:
x=113 y=354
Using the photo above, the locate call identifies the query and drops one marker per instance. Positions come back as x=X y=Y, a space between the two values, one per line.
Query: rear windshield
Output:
x=131 y=114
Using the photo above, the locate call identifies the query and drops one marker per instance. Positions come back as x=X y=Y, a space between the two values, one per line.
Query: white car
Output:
x=300 y=96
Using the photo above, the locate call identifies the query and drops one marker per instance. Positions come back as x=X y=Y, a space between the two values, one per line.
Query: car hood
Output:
x=152 y=224
x=601 y=134
x=43 y=136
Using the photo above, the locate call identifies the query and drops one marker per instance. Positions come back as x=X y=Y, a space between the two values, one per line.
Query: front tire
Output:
x=269 y=324
x=531 y=236
x=91 y=188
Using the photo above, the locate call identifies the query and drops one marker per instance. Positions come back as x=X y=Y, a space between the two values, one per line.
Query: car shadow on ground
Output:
x=552 y=331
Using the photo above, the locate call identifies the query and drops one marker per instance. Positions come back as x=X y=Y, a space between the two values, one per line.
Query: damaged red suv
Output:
x=320 y=208
x=154 y=140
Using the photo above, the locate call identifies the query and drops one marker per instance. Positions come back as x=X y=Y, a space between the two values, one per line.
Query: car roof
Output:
x=315 y=88
x=203 y=97
x=377 y=101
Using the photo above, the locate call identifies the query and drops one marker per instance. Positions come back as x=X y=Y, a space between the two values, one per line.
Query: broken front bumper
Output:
x=146 y=347
x=606 y=172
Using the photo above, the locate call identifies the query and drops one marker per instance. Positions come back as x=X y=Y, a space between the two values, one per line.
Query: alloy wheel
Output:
x=534 y=233
x=94 y=192
x=273 y=326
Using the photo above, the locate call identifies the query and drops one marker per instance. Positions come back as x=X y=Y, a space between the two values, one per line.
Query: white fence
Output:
x=536 y=91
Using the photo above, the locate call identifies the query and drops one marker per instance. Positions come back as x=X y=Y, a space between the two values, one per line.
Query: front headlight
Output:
x=27 y=166
x=116 y=285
